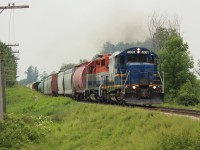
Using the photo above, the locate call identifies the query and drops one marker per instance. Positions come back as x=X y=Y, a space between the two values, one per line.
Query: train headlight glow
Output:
x=154 y=87
x=134 y=87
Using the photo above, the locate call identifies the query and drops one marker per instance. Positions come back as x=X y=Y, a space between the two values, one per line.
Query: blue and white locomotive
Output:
x=135 y=77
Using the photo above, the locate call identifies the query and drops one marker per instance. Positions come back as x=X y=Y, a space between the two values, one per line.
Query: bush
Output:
x=171 y=97
x=187 y=96
x=188 y=100
x=18 y=131
x=181 y=140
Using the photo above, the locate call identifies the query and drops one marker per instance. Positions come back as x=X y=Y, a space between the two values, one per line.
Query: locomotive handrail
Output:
x=103 y=78
x=160 y=76
x=126 y=80
x=100 y=89
x=162 y=80
x=121 y=81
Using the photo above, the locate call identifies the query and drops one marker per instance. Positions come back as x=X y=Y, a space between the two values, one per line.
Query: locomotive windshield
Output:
x=138 y=58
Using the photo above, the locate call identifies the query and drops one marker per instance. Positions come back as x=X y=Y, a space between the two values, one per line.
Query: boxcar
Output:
x=54 y=84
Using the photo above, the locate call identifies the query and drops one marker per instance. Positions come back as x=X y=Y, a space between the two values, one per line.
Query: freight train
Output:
x=130 y=76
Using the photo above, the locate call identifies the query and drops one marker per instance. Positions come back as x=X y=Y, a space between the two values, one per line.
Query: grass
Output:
x=60 y=123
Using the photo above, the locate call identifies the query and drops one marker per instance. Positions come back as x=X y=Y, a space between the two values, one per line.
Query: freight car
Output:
x=130 y=76
x=79 y=81
x=51 y=85
x=60 y=81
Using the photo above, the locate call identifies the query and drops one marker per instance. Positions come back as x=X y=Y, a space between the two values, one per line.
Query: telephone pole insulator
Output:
x=16 y=44
x=14 y=7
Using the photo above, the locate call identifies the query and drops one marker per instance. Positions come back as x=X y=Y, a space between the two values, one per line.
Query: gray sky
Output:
x=51 y=33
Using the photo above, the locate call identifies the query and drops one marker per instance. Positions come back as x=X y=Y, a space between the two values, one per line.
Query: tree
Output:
x=187 y=95
x=161 y=36
x=198 y=70
x=159 y=28
x=82 y=61
x=66 y=66
x=176 y=63
x=32 y=74
x=10 y=64
x=109 y=48
x=23 y=82
x=43 y=75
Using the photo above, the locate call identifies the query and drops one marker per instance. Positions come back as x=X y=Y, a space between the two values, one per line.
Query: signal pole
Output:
x=2 y=69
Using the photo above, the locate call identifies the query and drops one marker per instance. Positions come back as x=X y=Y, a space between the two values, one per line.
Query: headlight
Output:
x=134 y=87
x=154 y=87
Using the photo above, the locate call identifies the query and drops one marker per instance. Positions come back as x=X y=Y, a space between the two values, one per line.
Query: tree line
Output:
x=9 y=61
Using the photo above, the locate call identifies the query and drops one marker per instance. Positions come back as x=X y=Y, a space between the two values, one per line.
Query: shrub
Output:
x=18 y=131
x=180 y=140
x=187 y=96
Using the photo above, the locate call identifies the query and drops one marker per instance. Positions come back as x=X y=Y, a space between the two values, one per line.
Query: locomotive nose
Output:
x=140 y=73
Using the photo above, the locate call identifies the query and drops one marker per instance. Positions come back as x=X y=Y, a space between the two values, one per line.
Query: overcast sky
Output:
x=51 y=33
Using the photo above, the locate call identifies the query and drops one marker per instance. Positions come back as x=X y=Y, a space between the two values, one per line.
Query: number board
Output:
x=138 y=52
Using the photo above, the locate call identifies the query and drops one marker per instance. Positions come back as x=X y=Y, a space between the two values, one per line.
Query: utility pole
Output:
x=2 y=69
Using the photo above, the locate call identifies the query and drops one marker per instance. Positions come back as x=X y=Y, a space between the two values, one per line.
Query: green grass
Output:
x=60 y=123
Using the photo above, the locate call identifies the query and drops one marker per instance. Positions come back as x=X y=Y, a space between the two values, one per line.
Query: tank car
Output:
x=79 y=81
x=60 y=81
x=41 y=86
x=67 y=75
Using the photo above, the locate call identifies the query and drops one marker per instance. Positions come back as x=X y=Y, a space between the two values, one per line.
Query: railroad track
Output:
x=186 y=112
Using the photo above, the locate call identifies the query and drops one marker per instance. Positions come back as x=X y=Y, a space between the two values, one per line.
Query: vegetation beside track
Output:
x=60 y=123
